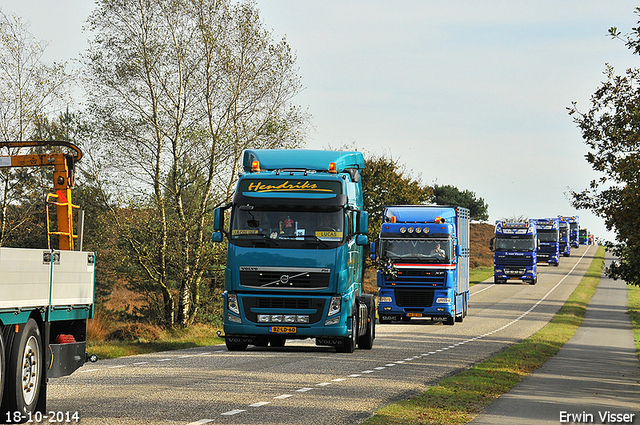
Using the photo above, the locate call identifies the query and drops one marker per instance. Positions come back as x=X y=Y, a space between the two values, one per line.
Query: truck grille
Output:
x=413 y=297
x=284 y=278
x=514 y=261
x=253 y=306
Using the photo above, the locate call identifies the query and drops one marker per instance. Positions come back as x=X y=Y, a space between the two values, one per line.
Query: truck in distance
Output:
x=549 y=237
x=565 y=236
x=515 y=246
x=295 y=251
x=423 y=257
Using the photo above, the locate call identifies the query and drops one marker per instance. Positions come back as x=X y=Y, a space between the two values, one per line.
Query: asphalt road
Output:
x=305 y=384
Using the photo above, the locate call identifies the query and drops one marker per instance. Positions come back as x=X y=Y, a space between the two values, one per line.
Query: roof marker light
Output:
x=333 y=168
x=255 y=166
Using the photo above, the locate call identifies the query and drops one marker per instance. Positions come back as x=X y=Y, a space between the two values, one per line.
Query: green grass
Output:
x=459 y=398
x=194 y=336
x=480 y=274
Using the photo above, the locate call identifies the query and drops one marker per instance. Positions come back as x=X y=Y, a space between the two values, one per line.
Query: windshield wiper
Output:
x=262 y=236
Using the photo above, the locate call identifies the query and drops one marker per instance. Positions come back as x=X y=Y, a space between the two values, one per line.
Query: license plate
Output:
x=414 y=314
x=283 y=329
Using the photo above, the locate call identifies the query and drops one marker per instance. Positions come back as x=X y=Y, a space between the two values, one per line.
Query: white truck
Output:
x=46 y=297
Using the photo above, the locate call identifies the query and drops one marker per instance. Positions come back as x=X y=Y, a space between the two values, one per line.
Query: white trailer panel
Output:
x=25 y=278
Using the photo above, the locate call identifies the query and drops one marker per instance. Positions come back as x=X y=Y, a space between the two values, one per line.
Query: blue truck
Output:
x=574 y=231
x=423 y=257
x=584 y=237
x=565 y=236
x=295 y=251
x=515 y=246
x=549 y=236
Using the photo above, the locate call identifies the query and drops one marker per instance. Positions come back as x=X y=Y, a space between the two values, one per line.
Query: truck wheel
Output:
x=533 y=281
x=349 y=343
x=2 y=363
x=234 y=346
x=25 y=369
x=366 y=341
x=449 y=321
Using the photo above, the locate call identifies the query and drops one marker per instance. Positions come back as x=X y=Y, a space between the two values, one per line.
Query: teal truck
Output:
x=46 y=298
x=296 y=230
x=423 y=258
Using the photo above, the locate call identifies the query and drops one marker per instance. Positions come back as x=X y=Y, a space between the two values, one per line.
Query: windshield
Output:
x=548 y=235
x=564 y=232
x=416 y=250
x=249 y=222
x=515 y=244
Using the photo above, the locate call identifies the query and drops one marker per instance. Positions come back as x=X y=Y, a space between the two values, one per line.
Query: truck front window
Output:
x=417 y=250
x=305 y=225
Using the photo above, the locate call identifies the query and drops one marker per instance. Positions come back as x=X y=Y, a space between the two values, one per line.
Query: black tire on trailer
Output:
x=2 y=365
x=25 y=370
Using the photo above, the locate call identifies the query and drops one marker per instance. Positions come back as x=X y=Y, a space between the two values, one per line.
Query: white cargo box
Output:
x=39 y=278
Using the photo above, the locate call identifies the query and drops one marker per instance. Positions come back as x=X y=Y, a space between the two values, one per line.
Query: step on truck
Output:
x=46 y=297
x=549 y=237
x=296 y=231
x=515 y=246
x=423 y=263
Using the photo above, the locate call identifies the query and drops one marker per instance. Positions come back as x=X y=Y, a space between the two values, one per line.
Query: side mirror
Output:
x=218 y=224
x=362 y=240
x=363 y=223
x=491 y=243
x=372 y=250
x=459 y=250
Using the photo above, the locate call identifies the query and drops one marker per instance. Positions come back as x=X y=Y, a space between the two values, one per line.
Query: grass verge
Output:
x=634 y=312
x=193 y=336
x=458 y=399
x=480 y=274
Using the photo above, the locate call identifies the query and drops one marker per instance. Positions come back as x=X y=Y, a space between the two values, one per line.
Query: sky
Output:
x=464 y=93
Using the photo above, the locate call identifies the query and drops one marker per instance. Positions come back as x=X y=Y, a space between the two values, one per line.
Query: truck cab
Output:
x=549 y=236
x=515 y=246
x=295 y=251
x=423 y=258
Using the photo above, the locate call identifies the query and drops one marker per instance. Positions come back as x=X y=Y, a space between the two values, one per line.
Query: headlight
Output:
x=384 y=299
x=232 y=303
x=443 y=300
x=334 y=307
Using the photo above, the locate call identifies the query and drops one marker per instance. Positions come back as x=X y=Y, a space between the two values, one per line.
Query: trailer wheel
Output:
x=2 y=365
x=25 y=370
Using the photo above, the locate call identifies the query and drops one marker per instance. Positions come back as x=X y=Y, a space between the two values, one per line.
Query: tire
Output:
x=235 y=346
x=2 y=365
x=365 y=342
x=349 y=343
x=25 y=370
x=449 y=321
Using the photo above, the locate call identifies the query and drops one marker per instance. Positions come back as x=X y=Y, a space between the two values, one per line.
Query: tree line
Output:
x=175 y=91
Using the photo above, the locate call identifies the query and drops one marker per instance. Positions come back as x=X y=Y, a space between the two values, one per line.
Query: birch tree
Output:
x=30 y=90
x=177 y=89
